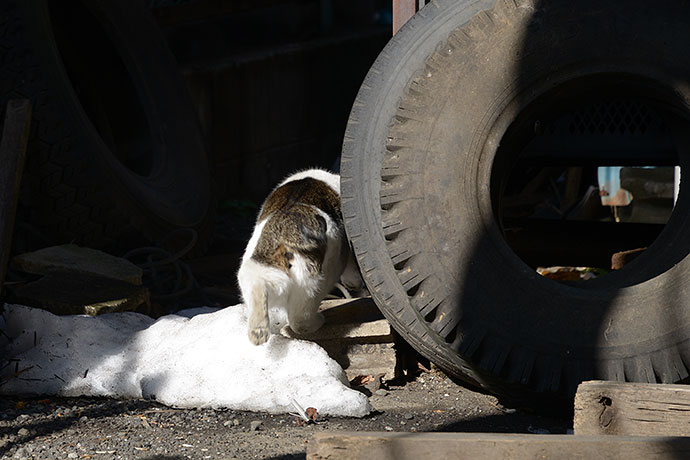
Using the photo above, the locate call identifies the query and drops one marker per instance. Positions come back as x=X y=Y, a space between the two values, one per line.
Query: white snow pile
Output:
x=196 y=358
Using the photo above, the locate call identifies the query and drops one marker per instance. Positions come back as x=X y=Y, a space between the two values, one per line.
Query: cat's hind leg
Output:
x=258 y=321
x=253 y=284
x=303 y=314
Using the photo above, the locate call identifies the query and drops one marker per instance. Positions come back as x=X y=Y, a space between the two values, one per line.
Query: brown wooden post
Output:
x=403 y=10
x=15 y=135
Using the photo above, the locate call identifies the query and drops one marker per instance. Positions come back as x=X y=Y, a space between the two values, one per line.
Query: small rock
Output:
x=21 y=453
x=236 y=422
x=23 y=432
x=409 y=416
x=381 y=392
x=254 y=425
x=388 y=428
x=72 y=455
x=83 y=418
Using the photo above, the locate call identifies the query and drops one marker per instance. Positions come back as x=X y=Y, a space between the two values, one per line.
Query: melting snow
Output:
x=196 y=358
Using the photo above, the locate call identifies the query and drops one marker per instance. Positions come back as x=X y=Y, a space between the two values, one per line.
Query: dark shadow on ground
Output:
x=288 y=457
x=166 y=457
x=58 y=416
x=516 y=422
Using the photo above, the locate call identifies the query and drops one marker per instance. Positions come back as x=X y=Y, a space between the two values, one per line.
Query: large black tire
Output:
x=418 y=178
x=116 y=155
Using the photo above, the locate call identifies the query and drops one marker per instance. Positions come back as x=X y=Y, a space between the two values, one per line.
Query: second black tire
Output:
x=115 y=156
x=421 y=170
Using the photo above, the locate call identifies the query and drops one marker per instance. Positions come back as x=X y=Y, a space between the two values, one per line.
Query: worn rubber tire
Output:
x=416 y=181
x=116 y=155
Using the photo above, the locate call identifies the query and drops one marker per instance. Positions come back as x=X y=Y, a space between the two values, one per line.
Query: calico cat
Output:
x=297 y=252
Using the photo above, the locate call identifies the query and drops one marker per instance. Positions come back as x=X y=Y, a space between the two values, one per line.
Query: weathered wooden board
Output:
x=77 y=261
x=15 y=135
x=632 y=409
x=403 y=10
x=67 y=294
x=472 y=446
x=358 y=337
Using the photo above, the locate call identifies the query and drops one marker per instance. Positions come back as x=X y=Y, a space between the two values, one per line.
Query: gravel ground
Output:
x=83 y=428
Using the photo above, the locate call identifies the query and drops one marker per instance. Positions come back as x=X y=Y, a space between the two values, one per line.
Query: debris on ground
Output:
x=570 y=273
x=304 y=416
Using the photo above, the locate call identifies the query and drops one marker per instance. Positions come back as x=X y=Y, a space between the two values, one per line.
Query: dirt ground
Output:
x=92 y=428
x=88 y=428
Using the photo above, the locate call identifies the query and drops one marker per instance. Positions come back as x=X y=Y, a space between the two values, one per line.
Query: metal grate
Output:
x=613 y=117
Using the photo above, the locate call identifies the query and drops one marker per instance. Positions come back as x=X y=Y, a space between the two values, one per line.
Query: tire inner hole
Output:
x=585 y=183
x=103 y=85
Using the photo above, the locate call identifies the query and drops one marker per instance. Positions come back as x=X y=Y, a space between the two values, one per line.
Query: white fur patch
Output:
x=273 y=279
x=332 y=180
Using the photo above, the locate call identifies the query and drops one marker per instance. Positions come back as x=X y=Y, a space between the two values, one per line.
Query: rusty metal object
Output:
x=620 y=259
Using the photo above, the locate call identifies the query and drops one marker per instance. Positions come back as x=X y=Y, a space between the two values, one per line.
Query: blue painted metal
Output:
x=610 y=190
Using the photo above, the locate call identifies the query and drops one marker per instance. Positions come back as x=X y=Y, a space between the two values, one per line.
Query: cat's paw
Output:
x=307 y=324
x=259 y=335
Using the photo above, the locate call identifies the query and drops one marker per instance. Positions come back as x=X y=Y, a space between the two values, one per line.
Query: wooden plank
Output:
x=403 y=10
x=15 y=135
x=485 y=446
x=68 y=294
x=71 y=259
x=632 y=409
x=358 y=337
x=353 y=318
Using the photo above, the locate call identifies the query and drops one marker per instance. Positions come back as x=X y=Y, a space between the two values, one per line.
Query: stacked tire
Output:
x=115 y=157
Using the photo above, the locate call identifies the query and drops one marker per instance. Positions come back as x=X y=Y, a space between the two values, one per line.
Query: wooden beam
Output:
x=632 y=409
x=15 y=135
x=472 y=446
x=358 y=337
x=403 y=10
